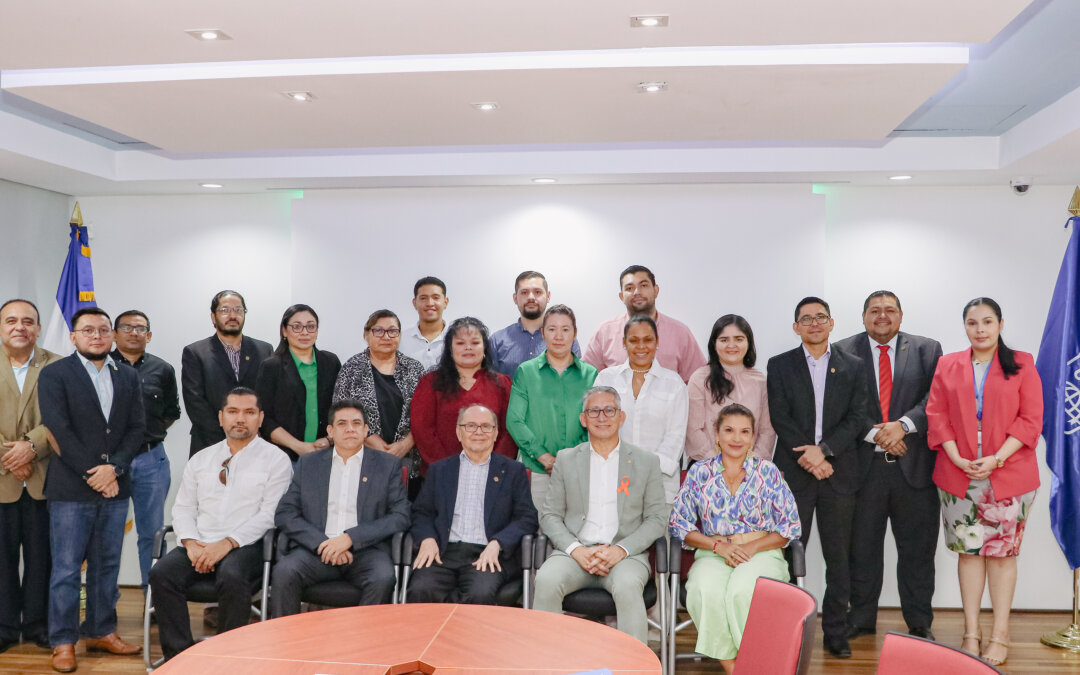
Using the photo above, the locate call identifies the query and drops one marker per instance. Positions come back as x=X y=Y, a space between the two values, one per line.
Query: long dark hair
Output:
x=447 y=379
x=1006 y=356
x=718 y=383
x=283 y=343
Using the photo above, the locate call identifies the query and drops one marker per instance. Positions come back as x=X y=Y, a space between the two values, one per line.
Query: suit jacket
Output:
x=643 y=510
x=284 y=397
x=20 y=419
x=509 y=513
x=382 y=506
x=914 y=362
x=84 y=438
x=1011 y=407
x=206 y=377
x=844 y=418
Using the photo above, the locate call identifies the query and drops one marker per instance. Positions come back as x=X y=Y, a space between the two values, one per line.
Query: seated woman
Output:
x=738 y=511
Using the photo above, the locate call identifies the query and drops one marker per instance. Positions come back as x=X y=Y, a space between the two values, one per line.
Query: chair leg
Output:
x=147 y=608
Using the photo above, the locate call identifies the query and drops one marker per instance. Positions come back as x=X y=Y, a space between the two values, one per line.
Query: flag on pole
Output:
x=76 y=288
x=1059 y=368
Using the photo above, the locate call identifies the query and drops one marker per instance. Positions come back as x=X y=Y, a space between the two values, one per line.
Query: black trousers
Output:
x=371 y=571
x=835 y=513
x=24 y=604
x=234 y=577
x=456 y=580
x=915 y=516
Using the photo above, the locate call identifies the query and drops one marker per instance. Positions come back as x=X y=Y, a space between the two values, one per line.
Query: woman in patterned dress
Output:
x=984 y=417
x=747 y=514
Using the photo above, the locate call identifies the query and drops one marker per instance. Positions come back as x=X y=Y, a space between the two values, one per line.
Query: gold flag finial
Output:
x=1074 y=204
x=76 y=216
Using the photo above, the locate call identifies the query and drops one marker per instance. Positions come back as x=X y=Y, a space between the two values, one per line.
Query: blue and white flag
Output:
x=76 y=288
x=1059 y=368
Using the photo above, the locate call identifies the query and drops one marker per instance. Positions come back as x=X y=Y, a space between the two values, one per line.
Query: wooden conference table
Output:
x=417 y=638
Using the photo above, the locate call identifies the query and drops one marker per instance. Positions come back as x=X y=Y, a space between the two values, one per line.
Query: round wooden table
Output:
x=417 y=638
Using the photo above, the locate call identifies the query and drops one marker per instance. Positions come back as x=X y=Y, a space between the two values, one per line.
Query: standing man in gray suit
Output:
x=340 y=511
x=896 y=485
x=605 y=506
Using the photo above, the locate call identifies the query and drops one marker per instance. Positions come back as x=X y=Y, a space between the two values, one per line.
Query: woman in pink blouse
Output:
x=729 y=378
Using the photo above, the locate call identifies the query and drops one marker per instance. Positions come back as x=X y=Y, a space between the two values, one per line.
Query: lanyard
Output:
x=979 y=387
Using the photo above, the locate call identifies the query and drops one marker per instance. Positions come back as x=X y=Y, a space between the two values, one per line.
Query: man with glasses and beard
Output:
x=225 y=504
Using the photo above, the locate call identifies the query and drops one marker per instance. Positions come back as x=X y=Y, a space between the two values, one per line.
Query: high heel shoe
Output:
x=978 y=643
x=993 y=660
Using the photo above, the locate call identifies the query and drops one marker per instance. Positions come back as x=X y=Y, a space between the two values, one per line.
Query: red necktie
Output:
x=884 y=381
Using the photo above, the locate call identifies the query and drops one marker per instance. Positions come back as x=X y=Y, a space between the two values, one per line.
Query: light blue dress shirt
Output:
x=102 y=380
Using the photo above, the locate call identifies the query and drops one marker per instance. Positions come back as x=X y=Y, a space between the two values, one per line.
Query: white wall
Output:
x=34 y=231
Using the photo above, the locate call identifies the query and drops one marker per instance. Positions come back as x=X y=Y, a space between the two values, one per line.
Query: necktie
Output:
x=884 y=381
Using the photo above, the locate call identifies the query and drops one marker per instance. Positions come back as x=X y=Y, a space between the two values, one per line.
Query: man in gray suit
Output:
x=604 y=508
x=896 y=481
x=342 y=507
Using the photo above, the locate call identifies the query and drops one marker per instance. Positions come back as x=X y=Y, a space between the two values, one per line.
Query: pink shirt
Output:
x=749 y=390
x=677 y=350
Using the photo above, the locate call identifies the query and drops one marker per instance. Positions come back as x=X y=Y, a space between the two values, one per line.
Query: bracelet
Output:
x=1000 y=461
x=715 y=544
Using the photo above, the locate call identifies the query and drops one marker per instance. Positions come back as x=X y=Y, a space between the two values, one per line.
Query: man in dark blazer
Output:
x=469 y=518
x=817 y=405
x=211 y=368
x=333 y=541
x=94 y=410
x=896 y=484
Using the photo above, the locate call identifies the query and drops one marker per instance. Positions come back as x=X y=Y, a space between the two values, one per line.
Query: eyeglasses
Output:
x=93 y=332
x=223 y=475
x=473 y=427
x=303 y=328
x=226 y=311
x=597 y=412
x=820 y=319
x=379 y=331
x=138 y=330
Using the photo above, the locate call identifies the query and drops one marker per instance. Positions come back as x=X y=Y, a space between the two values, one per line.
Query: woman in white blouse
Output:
x=653 y=398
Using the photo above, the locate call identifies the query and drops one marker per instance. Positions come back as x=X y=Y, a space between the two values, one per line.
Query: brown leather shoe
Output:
x=63 y=658
x=113 y=644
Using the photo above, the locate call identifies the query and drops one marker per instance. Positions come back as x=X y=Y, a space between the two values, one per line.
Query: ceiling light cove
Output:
x=649 y=21
x=211 y=186
x=544 y=181
x=208 y=34
x=899 y=177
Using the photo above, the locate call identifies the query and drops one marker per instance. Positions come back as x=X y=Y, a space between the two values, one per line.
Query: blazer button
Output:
x=108 y=430
x=104 y=456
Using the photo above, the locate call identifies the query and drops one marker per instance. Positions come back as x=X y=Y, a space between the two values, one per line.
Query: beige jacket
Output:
x=20 y=419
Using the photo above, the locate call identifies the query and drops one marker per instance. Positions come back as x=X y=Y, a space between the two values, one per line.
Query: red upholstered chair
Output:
x=779 y=630
x=909 y=654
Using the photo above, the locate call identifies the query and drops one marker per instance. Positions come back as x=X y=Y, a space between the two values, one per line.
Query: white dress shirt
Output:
x=102 y=381
x=602 y=519
x=414 y=344
x=874 y=344
x=656 y=420
x=344 y=486
x=20 y=371
x=243 y=508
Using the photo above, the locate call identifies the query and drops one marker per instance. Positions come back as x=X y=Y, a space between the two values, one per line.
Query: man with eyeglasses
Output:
x=605 y=507
x=524 y=339
x=150 y=473
x=212 y=367
x=817 y=403
x=225 y=504
x=94 y=410
x=469 y=518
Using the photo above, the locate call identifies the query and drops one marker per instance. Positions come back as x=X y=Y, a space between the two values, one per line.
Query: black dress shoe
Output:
x=922 y=633
x=838 y=647
x=858 y=631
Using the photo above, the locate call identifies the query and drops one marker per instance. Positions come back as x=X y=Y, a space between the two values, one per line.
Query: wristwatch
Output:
x=905 y=427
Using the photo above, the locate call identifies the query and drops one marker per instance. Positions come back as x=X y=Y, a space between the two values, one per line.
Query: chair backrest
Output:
x=910 y=654
x=781 y=620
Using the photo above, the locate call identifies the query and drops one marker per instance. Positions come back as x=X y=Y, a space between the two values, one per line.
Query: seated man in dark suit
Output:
x=470 y=517
x=342 y=507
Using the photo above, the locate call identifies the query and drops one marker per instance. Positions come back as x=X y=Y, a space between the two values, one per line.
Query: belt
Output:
x=744 y=537
x=887 y=456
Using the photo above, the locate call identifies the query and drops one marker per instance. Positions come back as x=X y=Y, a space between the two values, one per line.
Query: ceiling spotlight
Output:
x=651 y=87
x=207 y=34
x=211 y=186
x=649 y=21
x=300 y=96
x=486 y=106
x=899 y=177
x=544 y=181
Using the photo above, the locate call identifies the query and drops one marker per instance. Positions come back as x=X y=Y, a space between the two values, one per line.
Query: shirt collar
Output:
x=574 y=363
x=828 y=352
x=414 y=331
x=87 y=364
x=874 y=344
x=596 y=455
x=26 y=364
x=359 y=457
x=465 y=458
x=230 y=348
x=117 y=356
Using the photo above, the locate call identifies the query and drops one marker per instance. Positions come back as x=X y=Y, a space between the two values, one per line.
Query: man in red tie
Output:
x=897 y=484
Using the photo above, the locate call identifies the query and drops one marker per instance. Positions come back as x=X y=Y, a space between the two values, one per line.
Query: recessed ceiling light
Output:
x=211 y=186
x=486 y=106
x=208 y=34
x=299 y=96
x=545 y=181
x=649 y=21
x=651 y=87
x=899 y=177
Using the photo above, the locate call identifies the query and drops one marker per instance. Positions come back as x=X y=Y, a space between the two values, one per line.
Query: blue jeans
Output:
x=150 y=480
x=94 y=532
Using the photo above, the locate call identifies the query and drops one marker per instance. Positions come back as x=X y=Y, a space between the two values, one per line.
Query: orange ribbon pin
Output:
x=624 y=486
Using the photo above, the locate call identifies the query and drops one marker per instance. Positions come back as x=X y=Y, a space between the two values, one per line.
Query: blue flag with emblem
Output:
x=76 y=289
x=1059 y=368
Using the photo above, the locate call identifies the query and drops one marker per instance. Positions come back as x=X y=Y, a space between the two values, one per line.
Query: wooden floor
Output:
x=1026 y=656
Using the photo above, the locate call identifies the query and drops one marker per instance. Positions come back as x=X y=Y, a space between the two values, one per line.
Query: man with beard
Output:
x=225 y=504
x=524 y=339
x=94 y=410
x=209 y=368
x=676 y=348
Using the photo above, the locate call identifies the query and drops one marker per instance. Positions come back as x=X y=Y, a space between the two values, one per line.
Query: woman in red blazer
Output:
x=985 y=416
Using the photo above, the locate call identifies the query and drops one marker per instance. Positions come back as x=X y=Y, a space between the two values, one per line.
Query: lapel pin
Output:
x=903 y=347
x=832 y=370
x=364 y=479
x=247 y=358
x=496 y=479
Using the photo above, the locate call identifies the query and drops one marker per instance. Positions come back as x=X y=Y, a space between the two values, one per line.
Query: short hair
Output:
x=529 y=274
x=600 y=389
x=559 y=309
x=346 y=404
x=241 y=391
x=216 y=300
x=87 y=311
x=810 y=300
x=461 y=413
x=380 y=314
x=428 y=281
x=14 y=300
x=880 y=294
x=130 y=312
x=634 y=269
x=734 y=410
x=640 y=318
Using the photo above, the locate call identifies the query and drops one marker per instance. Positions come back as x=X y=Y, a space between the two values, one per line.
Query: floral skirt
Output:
x=979 y=524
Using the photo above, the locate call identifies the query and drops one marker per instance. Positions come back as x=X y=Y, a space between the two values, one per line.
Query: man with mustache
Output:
x=524 y=339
